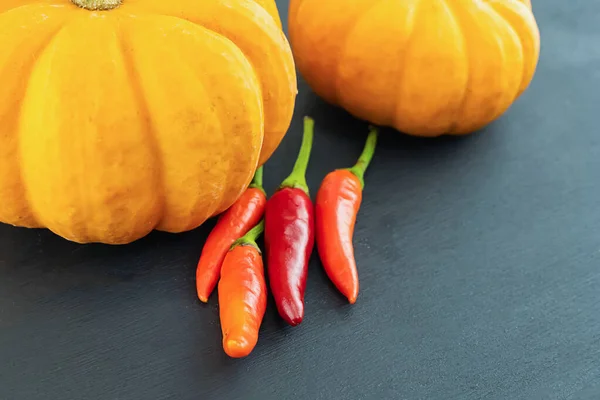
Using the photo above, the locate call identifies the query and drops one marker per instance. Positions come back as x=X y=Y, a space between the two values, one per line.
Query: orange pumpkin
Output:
x=425 y=67
x=120 y=117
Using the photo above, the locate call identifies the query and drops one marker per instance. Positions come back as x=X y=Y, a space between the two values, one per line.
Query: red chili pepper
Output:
x=289 y=235
x=232 y=224
x=242 y=295
x=337 y=204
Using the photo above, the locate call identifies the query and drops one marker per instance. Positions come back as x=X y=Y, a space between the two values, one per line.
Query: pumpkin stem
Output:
x=97 y=5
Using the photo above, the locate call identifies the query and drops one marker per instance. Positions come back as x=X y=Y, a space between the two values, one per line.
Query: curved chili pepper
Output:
x=337 y=204
x=231 y=225
x=289 y=236
x=242 y=295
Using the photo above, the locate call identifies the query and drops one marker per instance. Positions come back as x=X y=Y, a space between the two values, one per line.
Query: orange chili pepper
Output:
x=337 y=204
x=231 y=225
x=242 y=295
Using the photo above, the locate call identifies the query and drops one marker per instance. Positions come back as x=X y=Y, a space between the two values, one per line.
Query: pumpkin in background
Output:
x=120 y=118
x=424 y=67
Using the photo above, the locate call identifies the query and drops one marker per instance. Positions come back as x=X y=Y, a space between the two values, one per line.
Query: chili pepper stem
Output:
x=257 y=181
x=249 y=239
x=366 y=156
x=297 y=179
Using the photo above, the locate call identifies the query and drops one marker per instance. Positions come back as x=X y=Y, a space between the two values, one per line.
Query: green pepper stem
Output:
x=297 y=178
x=257 y=181
x=367 y=155
x=249 y=239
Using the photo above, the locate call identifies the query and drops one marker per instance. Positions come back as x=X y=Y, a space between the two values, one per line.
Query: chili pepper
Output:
x=289 y=235
x=242 y=295
x=231 y=225
x=337 y=204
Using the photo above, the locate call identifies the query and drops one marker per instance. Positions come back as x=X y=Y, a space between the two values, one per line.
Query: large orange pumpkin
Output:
x=425 y=67
x=117 y=118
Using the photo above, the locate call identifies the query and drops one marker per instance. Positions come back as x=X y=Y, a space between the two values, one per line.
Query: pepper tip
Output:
x=236 y=349
x=203 y=299
x=351 y=294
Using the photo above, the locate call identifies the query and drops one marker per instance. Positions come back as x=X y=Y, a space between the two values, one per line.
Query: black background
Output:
x=479 y=262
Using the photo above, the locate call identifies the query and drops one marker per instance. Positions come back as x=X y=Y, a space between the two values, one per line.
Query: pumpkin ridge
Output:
x=343 y=40
x=464 y=94
x=501 y=8
x=194 y=185
x=162 y=223
x=143 y=104
x=24 y=184
x=470 y=17
x=214 y=205
x=510 y=28
x=100 y=195
x=434 y=74
x=402 y=69
x=86 y=230
x=277 y=78
x=305 y=44
x=218 y=206
x=259 y=77
x=392 y=66
x=32 y=219
x=25 y=4
x=272 y=10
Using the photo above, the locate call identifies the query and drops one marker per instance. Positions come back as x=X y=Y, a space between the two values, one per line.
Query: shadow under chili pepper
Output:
x=334 y=298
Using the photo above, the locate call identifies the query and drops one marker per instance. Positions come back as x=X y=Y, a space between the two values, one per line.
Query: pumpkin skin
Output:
x=153 y=115
x=424 y=67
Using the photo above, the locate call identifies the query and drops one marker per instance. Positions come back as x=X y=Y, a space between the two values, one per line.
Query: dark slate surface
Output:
x=479 y=262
